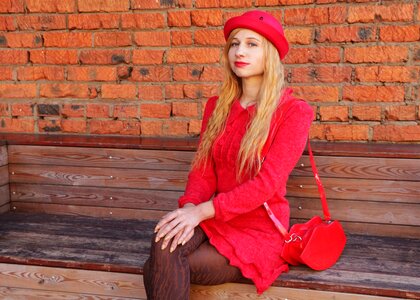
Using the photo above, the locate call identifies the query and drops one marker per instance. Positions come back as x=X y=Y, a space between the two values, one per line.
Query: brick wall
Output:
x=146 y=67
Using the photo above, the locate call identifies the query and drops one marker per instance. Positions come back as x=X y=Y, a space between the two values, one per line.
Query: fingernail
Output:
x=183 y=243
x=163 y=247
x=156 y=239
x=172 y=250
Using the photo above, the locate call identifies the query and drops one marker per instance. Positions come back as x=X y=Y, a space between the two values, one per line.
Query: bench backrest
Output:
x=371 y=193
x=4 y=180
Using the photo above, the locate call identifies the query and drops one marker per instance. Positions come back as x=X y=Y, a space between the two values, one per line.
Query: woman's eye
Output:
x=234 y=44
x=252 y=44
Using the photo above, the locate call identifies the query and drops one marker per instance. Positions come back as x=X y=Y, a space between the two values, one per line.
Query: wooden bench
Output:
x=78 y=212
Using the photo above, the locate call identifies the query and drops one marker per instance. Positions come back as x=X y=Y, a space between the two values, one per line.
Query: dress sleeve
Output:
x=201 y=184
x=285 y=151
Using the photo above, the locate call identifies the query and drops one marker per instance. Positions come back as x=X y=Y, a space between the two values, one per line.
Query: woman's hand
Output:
x=180 y=223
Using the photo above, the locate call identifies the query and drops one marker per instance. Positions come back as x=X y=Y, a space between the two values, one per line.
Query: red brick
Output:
x=152 y=128
x=22 y=109
x=48 y=109
x=207 y=3
x=340 y=132
x=346 y=34
x=387 y=74
x=401 y=113
x=376 y=54
x=64 y=90
x=213 y=37
x=97 y=111
x=40 y=73
x=17 y=125
x=54 y=57
x=294 y=2
x=160 y=111
x=181 y=38
x=73 y=111
x=17 y=90
x=7 y=23
x=6 y=73
x=151 y=74
x=366 y=113
x=179 y=18
x=299 y=36
x=321 y=74
x=112 y=39
x=143 y=21
x=266 y=2
x=126 y=111
x=400 y=33
x=152 y=38
x=4 y=109
x=317 y=15
x=101 y=73
x=313 y=55
x=194 y=91
x=207 y=17
x=93 y=21
x=384 y=13
x=184 y=109
x=23 y=40
x=236 y=3
x=115 y=127
x=51 y=6
x=150 y=92
x=103 y=5
x=174 y=91
x=334 y=113
x=317 y=93
x=194 y=127
x=67 y=39
x=104 y=57
x=146 y=4
x=194 y=55
x=148 y=57
x=396 y=133
x=119 y=91
x=41 y=22
x=73 y=126
x=373 y=93
x=198 y=73
x=175 y=128
x=16 y=57
x=49 y=125
x=12 y=6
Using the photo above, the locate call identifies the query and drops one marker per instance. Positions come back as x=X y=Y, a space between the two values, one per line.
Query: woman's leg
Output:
x=166 y=274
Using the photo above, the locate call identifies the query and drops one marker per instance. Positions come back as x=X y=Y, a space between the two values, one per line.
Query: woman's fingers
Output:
x=174 y=243
x=189 y=236
x=165 y=219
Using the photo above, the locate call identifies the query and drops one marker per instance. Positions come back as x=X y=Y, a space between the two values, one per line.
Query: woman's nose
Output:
x=240 y=51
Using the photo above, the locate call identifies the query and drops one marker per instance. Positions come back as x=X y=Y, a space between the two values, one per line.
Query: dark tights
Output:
x=168 y=275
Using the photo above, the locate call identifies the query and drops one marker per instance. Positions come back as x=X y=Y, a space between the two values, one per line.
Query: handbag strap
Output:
x=327 y=216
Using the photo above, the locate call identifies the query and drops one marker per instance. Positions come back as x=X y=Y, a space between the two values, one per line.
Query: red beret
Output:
x=262 y=23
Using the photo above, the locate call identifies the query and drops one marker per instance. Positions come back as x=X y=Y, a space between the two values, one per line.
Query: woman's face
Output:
x=246 y=54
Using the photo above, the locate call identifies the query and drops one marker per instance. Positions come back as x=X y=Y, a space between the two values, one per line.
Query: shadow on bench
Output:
x=80 y=214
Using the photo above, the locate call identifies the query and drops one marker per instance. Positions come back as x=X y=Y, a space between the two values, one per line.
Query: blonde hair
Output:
x=249 y=156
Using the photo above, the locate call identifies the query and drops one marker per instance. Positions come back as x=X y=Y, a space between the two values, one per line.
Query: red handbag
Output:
x=317 y=243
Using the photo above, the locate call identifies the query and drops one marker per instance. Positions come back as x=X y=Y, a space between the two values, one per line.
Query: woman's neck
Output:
x=250 y=89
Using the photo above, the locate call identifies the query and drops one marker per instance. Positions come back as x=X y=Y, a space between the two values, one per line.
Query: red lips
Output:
x=241 y=64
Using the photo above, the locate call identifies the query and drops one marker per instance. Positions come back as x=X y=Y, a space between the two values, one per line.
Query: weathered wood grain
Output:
x=94 y=196
x=72 y=280
x=4 y=194
x=100 y=177
x=3 y=156
x=101 y=157
x=4 y=175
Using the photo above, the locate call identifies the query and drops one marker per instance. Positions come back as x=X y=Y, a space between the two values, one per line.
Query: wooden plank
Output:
x=3 y=156
x=359 y=211
x=361 y=167
x=5 y=208
x=4 y=194
x=94 y=211
x=72 y=280
x=101 y=157
x=100 y=177
x=375 y=229
x=94 y=196
x=239 y=291
x=356 y=189
x=4 y=175
x=30 y=294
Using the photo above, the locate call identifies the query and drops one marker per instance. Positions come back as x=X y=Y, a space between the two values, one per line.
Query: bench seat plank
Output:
x=122 y=245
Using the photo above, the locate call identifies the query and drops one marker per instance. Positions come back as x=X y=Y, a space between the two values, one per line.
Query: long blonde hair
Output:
x=249 y=156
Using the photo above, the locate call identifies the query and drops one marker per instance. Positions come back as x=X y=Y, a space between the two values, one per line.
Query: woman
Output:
x=252 y=136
